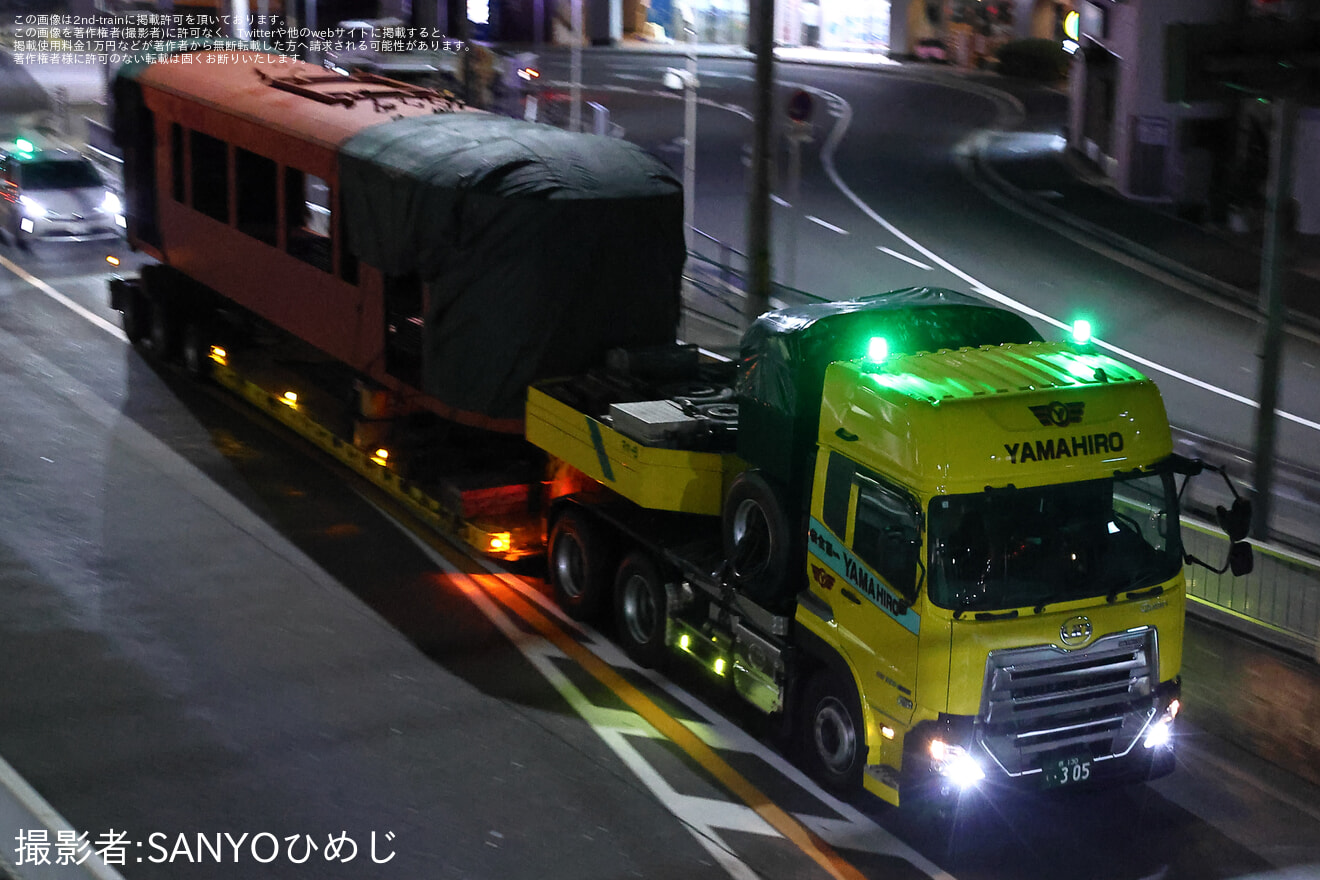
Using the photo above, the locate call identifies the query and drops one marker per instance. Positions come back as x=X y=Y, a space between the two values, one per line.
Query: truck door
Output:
x=872 y=575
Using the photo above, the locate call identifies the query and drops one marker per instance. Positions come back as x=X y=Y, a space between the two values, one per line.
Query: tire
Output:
x=640 y=610
x=832 y=734
x=581 y=562
x=136 y=317
x=196 y=348
x=164 y=330
x=756 y=537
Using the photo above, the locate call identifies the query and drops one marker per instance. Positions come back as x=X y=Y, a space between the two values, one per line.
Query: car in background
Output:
x=56 y=195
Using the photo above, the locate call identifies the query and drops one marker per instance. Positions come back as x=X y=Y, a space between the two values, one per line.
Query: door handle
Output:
x=850 y=596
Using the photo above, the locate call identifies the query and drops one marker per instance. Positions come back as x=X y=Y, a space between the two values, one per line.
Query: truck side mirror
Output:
x=1241 y=559
x=1236 y=521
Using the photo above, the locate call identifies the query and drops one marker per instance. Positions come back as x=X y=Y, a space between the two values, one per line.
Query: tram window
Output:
x=177 y=188
x=257 y=186
x=210 y=176
x=307 y=215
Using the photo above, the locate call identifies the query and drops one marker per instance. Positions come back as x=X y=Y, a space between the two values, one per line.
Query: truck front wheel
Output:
x=831 y=733
x=581 y=564
x=640 y=608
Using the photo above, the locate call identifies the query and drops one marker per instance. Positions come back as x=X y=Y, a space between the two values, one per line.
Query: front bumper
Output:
x=100 y=227
x=963 y=761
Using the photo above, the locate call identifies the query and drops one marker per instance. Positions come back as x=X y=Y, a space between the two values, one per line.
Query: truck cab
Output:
x=994 y=565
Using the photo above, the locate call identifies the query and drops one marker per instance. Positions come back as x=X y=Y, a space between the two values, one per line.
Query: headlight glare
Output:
x=1160 y=733
x=954 y=763
x=32 y=207
x=111 y=204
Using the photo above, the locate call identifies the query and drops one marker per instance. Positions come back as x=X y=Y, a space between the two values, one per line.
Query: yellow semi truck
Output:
x=945 y=551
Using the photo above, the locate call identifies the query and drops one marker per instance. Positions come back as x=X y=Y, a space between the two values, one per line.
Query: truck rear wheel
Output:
x=756 y=536
x=581 y=564
x=831 y=733
x=640 y=608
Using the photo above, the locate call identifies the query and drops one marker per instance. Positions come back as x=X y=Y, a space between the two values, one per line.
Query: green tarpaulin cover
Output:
x=784 y=354
x=541 y=248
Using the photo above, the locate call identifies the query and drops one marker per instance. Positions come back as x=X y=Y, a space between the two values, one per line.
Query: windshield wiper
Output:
x=997 y=615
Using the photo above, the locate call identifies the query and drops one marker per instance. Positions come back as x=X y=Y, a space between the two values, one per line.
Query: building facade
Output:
x=1208 y=158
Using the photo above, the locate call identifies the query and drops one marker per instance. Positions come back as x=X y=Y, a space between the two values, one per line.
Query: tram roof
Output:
x=317 y=105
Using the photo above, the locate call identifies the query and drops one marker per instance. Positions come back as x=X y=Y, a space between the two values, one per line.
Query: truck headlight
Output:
x=1161 y=732
x=955 y=764
x=111 y=204
x=32 y=208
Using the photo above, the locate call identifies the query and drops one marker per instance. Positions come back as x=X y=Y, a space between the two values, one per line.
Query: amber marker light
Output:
x=112 y=260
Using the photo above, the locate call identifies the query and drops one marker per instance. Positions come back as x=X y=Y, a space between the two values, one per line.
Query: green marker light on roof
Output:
x=1081 y=331
x=877 y=349
x=23 y=145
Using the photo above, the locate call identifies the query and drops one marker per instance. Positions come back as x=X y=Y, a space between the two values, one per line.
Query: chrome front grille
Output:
x=1044 y=701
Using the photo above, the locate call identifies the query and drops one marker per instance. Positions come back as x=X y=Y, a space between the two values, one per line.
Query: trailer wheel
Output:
x=832 y=734
x=756 y=536
x=164 y=328
x=640 y=609
x=581 y=564
x=197 y=348
x=136 y=317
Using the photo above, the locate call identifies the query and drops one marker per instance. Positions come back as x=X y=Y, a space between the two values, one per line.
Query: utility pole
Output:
x=1273 y=258
x=758 y=209
x=690 y=135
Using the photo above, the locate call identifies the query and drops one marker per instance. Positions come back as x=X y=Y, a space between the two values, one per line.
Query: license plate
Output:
x=1066 y=771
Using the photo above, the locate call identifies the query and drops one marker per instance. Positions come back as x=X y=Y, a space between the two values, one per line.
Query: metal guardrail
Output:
x=1278 y=602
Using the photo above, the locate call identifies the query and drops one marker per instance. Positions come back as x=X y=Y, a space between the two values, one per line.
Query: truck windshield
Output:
x=1014 y=548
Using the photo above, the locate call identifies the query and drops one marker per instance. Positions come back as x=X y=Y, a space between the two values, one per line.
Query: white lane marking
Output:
x=63 y=300
x=854 y=830
x=830 y=226
x=827 y=161
x=25 y=810
x=778 y=201
x=896 y=255
x=699 y=815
